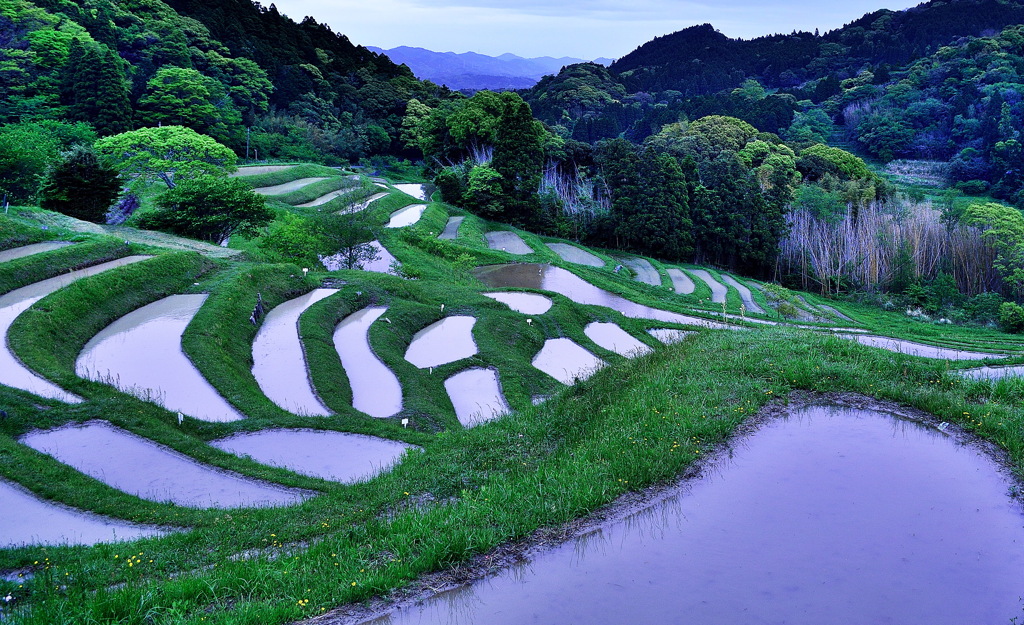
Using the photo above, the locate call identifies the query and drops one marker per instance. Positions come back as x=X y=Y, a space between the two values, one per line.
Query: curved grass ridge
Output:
x=624 y=429
x=29 y=269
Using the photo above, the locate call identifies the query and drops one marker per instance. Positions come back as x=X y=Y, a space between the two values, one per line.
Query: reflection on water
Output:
x=445 y=341
x=613 y=338
x=558 y=280
x=476 y=396
x=375 y=388
x=832 y=516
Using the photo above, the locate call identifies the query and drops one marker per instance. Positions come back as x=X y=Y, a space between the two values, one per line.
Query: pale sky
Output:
x=579 y=28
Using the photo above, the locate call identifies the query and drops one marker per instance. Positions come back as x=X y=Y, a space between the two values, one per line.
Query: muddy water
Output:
x=573 y=254
x=406 y=216
x=279 y=364
x=337 y=456
x=476 y=396
x=917 y=349
x=415 y=190
x=141 y=467
x=506 y=241
x=287 y=187
x=992 y=373
x=558 y=280
x=12 y=372
x=526 y=303
x=745 y=294
x=35 y=248
x=681 y=282
x=451 y=229
x=567 y=362
x=28 y=520
x=645 y=271
x=141 y=354
x=669 y=336
x=718 y=290
x=613 y=338
x=448 y=340
x=375 y=389
x=804 y=524
x=361 y=206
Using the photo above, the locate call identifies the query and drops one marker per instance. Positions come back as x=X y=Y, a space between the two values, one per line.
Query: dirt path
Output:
x=745 y=294
x=573 y=254
x=645 y=271
x=681 y=282
x=451 y=229
x=507 y=241
x=718 y=290
x=288 y=187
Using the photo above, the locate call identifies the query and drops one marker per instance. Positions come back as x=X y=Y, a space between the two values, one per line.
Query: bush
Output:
x=209 y=208
x=79 y=185
x=973 y=187
x=1011 y=317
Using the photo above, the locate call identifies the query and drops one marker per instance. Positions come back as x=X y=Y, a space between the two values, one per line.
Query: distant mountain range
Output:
x=472 y=71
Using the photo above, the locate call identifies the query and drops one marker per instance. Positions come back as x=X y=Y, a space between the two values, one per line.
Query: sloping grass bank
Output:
x=626 y=428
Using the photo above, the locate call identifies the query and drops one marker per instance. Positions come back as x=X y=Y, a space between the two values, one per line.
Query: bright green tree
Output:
x=209 y=208
x=185 y=97
x=168 y=153
x=1004 y=229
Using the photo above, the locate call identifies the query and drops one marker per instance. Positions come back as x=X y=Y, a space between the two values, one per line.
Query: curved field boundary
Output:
x=681 y=282
x=287 y=187
x=451 y=229
x=573 y=254
x=745 y=294
x=718 y=290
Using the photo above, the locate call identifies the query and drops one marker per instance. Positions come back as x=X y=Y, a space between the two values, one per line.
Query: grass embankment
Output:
x=624 y=429
x=35 y=268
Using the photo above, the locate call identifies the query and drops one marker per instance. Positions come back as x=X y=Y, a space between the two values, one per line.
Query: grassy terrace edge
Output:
x=628 y=427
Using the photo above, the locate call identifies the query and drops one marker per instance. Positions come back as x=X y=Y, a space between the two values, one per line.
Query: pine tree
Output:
x=519 y=158
x=95 y=89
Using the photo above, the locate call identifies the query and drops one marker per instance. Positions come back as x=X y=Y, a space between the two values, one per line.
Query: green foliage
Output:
x=184 y=97
x=79 y=185
x=483 y=194
x=209 y=208
x=819 y=160
x=823 y=204
x=27 y=148
x=1011 y=317
x=292 y=239
x=169 y=153
x=1004 y=230
x=95 y=89
x=518 y=159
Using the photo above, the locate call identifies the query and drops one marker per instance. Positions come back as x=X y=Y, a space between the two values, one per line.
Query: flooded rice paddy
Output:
x=279 y=364
x=336 y=456
x=829 y=516
x=669 y=336
x=363 y=205
x=143 y=468
x=917 y=349
x=29 y=250
x=381 y=263
x=573 y=254
x=287 y=187
x=558 y=280
x=992 y=373
x=406 y=216
x=476 y=396
x=375 y=388
x=644 y=270
x=526 y=303
x=451 y=228
x=745 y=294
x=718 y=290
x=327 y=197
x=141 y=354
x=681 y=282
x=440 y=343
x=12 y=304
x=566 y=361
x=28 y=520
x=506 y=241
x=613 y=338
x=259 y=169
x=415 y=190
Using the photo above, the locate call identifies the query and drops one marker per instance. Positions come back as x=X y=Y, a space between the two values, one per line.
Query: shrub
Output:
x=1011 y=317
x=79 y=185
x=209 y=208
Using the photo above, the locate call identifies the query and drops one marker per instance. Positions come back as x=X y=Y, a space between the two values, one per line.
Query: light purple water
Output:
x=718 y=290
x=406 y=216
x=681 y=282
x=279 y=363
x=29 y=250
x=338 y=456
x=830 y=517
x=613 y=338
x=440 y=343
x=566 y=361
x=375 y=388
x=558 y=280
x=476 y=396
x=141 y=354
x=141 y=467
x=573 y=254
x=12 y=372
x=526 y=303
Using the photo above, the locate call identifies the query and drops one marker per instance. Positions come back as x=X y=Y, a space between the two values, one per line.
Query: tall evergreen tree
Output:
x=519 y=158
x=95 y=89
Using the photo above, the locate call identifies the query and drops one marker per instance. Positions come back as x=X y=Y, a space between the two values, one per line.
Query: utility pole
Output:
x=247 y=128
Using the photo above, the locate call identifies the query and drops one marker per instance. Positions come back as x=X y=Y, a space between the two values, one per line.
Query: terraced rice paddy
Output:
x=29 y=250
x=451 y=228
x=141 y=354
x=279 y=364
x=566 y=361
x=615 y=339
x=718 y=290
x=681 y=282
x=443 y=342
x=476 y=396
x=644 y=270
x=507 y=241
x=745 y=294
x=573 y=254
x=375 y=389
x=150 y=471
x=526 y=303
x=287 y=187
x=407 y=216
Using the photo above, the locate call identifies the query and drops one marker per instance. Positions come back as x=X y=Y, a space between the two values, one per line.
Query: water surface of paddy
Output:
x=375 y=388
x=613 y=338
x=566 y=361
x=526 y=303
x=406 y=216
x=832 y=516
x=445 y=341
x=141 y=354
x=476 y=396
x=507 y=241
x=29 y=250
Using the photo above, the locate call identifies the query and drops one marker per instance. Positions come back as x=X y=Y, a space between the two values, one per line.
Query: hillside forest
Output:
x=882 y=161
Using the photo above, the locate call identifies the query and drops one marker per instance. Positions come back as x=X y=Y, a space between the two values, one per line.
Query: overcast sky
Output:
x=578 y=28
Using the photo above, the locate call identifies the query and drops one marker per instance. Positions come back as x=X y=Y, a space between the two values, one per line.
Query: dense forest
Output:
x=761 y=156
